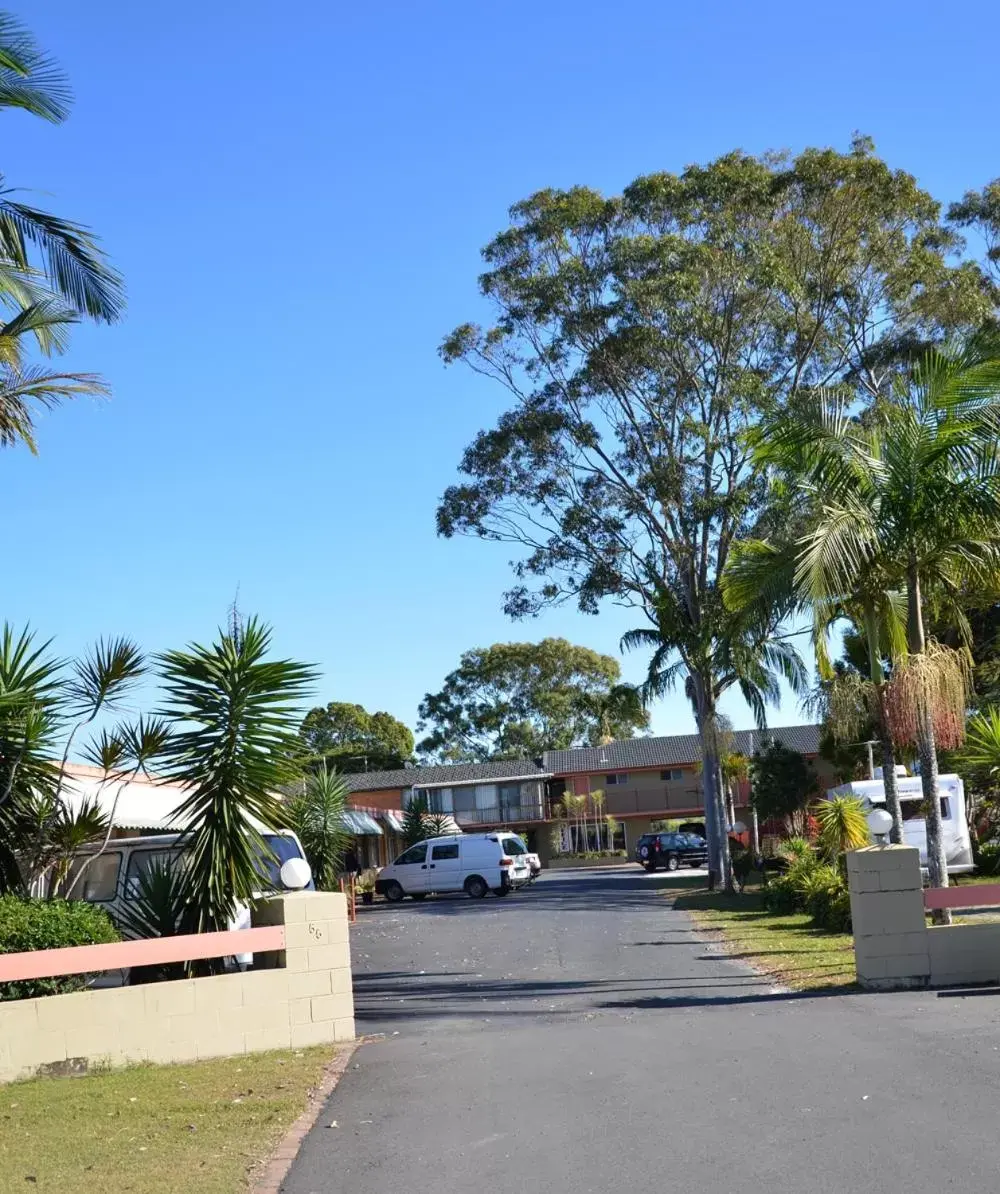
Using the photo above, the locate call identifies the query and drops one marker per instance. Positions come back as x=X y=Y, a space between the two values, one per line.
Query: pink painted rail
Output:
x=985 y=895
x=121 y=955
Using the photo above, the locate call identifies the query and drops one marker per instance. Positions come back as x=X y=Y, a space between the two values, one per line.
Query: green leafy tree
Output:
x=910 y=496
x=642 y=337
x=316 y=814
x=52 y=271
x=349 y=738
x=782 y=783
x=236 y=747
x=515 y=700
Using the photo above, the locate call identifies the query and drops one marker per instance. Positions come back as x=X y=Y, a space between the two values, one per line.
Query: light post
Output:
x=879 y=822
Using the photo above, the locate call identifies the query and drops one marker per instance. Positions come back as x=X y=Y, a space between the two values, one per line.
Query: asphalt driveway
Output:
x=579 y=1036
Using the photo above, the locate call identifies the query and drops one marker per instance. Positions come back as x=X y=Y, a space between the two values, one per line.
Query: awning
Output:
x=361 y=823
x=393 y=820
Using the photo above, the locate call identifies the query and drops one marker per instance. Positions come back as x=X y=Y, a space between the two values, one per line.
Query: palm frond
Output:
x=30 y=80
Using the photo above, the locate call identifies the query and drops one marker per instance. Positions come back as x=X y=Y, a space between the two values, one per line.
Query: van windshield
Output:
x=270 y=868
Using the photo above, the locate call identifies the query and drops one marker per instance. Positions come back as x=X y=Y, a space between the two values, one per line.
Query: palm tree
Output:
x=52 y=271
x=909 y=494
x=317 y=816
x=740 y=649
x=237 y=749
x=42 y=698
x=760 y=571
x=597 y=801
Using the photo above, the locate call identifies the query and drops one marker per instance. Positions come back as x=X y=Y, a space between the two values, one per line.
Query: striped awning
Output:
x=393 y=820
x=361 y=823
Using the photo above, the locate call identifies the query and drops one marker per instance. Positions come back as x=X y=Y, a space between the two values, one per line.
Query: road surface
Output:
x=579 y=1037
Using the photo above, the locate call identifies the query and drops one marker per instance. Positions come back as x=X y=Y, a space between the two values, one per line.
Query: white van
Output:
x=113 y=879
x=471 y=862
x=954 y=825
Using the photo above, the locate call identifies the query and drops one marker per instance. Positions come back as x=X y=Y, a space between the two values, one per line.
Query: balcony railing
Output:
x=506 y=814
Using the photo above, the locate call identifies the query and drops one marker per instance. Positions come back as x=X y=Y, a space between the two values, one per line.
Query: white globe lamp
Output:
x=879 y=822
x=295 y=874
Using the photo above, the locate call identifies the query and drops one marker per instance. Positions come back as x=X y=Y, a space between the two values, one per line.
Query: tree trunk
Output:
x=888 y=755
x=937 y=867
x=895 y=809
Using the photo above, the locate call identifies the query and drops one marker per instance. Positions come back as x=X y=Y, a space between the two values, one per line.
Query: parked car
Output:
x=670 y=850
x=536 y=865
x=471 y=862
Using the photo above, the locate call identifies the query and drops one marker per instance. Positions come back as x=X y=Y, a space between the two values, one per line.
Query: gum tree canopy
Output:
x=640 y=337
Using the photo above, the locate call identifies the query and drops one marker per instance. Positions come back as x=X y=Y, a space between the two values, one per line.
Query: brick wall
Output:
x=300 y=997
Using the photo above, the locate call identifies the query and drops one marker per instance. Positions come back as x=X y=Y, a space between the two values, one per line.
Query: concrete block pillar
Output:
x=316 y=963
x=891 y=947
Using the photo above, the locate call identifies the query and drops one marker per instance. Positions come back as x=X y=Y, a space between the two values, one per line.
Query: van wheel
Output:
x=476 y=887
x=393 y=892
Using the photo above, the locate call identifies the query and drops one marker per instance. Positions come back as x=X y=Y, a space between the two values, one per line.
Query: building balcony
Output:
x=508 y=814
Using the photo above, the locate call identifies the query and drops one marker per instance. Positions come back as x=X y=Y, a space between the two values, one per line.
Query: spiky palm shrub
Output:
x=239 y=714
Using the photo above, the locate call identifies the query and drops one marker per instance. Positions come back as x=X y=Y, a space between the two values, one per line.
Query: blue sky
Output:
x=297 y=198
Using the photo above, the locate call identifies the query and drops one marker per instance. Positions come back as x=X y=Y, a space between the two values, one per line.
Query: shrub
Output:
x=988 y=862
x=27 y=925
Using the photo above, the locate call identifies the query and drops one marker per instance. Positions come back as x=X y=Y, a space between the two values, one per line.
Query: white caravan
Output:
x=954 y=826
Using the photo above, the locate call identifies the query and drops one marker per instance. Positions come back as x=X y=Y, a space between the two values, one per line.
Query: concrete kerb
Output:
x=276 y=1168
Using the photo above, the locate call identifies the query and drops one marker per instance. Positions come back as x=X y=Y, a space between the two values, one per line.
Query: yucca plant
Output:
x=414 y=820
x=239 y=714
x=843 y=825
x=316 y=814
x=155 y=909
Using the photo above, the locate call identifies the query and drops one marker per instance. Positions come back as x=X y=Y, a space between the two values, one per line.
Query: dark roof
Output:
x=627 y=753
x=456 y=773
x=673 y=751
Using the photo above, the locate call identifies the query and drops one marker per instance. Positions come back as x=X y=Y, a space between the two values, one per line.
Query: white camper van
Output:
x=954 y=826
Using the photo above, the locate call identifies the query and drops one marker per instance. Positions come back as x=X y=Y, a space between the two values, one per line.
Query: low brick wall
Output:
x=894 y=948
x=566 y=864
x=302 y=996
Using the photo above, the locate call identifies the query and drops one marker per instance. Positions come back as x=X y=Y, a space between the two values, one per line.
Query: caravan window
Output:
x=100 y=880
x=913 y=810
x=141 y=862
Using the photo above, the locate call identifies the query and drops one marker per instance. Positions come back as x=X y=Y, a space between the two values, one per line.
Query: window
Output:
x=100 y=880
x=913 y=810
x=444 y=851
x=463 y=799
x=616 y=781
x=417 y=853
x=674 y=774
x=513 y=845
x=142 y=862
x=283 y=847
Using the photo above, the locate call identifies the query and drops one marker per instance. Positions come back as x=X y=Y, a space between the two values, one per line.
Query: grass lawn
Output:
x=199 y=1128
x=787 y=947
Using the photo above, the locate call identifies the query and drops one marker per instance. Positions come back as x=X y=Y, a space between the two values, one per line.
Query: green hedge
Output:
x=27 y=925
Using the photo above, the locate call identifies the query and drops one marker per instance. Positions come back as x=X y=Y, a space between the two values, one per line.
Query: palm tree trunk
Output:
x=891 y=788
x=937 y=867
x=877 y=674
x=719 y=864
